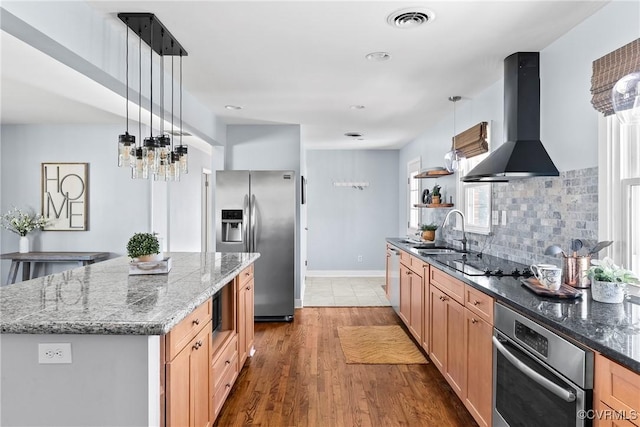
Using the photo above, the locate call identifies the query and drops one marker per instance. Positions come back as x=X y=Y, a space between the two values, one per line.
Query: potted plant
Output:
x=435 y=195
x=609 y=280
x=144 y=247
x=429 y=231
x=22 y=223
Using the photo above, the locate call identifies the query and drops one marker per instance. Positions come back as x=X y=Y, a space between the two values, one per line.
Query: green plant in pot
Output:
x=435 y=195
x=609 y=280
x=144 y=247
x=428 y=231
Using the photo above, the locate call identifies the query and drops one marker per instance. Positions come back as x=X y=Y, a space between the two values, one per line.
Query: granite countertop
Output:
x=611 y=329
x=103 y=299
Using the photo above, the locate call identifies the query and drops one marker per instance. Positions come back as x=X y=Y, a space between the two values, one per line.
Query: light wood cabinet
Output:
x=447 y=338
x=245 y=315
x=187 y=377
x=605 y=416
x=405 y=293
x=412 y=296
x=617 y=388
x=426 y=303
x=479 y=360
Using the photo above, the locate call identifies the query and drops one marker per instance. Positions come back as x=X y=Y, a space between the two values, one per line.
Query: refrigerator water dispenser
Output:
x=232 y=225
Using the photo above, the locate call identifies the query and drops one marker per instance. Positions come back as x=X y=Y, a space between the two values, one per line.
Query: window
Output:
x=474 y=199
x=619 y=191
x=413 y=196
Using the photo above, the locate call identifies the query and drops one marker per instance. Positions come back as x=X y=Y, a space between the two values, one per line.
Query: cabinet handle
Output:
x=445 y=299
x=247 y=274
x=228 y=362
x=476 y=302
x=474 y=321
x=196 y=322
x=228 y=386
x=197 y=345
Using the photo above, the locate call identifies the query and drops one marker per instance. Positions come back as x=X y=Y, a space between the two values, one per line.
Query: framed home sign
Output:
x=65 y=198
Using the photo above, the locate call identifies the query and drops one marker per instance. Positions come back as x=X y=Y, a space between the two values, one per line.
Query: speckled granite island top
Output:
x=611 y=329
x=103 y=299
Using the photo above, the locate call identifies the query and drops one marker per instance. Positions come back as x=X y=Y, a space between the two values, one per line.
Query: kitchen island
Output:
x=116 y=326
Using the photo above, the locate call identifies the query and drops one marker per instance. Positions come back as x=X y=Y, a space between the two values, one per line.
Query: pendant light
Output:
x=154 y=155
x=452 y=158
x=164 y=151
x=139 y=168
x=174 y=165
x=182 y=151
x=126 y=142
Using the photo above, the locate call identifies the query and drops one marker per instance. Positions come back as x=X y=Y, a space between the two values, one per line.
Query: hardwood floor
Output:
x=298 y=377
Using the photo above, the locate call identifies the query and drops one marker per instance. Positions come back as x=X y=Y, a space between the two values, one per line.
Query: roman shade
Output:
x=608 y=70
x=472 y=141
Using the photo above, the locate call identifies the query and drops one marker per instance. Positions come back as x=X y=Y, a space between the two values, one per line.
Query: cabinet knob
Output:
x=476 y=302
x=228 y=362
x=228 y=386
x=445 y=298
x=196 y=322
x=197 y=345
x=474 y=321
x=248 y=288
x=247 y=274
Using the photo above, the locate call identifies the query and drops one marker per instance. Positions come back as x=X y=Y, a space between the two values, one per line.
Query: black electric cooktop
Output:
x=484 y=265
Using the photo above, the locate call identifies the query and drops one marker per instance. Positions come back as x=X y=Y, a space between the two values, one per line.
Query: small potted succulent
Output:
x=144 y=247
x=428 y=231
x=435 y=195
x=609 y=280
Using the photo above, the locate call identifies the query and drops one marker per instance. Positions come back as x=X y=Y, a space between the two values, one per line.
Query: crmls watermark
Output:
x=608 y=414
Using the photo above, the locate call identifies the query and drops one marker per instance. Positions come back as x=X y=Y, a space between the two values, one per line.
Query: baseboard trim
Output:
x=345 y=273
x=298 y=303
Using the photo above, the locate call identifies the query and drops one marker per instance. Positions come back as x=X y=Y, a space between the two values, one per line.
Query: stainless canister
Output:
x=575 y=270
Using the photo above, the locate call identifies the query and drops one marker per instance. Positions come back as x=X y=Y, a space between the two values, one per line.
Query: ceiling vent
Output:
x=410 y=18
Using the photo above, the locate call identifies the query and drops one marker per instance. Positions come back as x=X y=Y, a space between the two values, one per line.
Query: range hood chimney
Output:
x=522 y=155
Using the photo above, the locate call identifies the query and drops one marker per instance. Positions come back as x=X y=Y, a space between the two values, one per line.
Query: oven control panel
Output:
x=532 y=339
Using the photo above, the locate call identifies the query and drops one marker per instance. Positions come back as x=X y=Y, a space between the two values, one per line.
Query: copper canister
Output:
x=575 y=270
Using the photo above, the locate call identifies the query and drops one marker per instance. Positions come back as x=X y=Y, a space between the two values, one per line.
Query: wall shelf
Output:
x=433 y=205
x=433 y=174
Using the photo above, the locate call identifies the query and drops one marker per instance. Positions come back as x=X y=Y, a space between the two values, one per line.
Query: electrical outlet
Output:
x=494 y=218
x=359 y=258
x=52 y=352
x=504 y=218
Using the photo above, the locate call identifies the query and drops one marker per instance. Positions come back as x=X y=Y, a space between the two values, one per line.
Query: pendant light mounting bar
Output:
x=143 y=23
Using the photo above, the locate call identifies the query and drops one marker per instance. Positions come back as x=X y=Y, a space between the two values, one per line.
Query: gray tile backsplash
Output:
x=540 y=212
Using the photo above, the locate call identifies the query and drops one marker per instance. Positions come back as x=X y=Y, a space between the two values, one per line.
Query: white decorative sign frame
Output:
x=65 y=196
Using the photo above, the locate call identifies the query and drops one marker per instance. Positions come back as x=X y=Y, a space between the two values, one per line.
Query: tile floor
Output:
x=345 y=292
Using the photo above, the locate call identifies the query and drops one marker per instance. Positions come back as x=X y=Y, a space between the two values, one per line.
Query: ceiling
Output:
x=303 y=62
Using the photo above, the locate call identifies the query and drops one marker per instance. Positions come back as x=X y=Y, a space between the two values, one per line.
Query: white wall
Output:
x=118 y=205
x=344 y=222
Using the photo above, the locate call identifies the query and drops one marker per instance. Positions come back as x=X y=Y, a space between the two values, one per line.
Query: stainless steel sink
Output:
x=437 y=251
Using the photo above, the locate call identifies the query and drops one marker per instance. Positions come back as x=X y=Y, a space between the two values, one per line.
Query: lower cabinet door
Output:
x=438 y=327
x=456 y=363
x=479 y=353
x=199 y=366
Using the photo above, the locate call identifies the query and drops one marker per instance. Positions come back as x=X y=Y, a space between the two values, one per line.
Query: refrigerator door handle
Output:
x=254 y=225
x=245 y=218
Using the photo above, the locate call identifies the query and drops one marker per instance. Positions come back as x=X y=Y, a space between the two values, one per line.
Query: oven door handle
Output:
x=567 y=395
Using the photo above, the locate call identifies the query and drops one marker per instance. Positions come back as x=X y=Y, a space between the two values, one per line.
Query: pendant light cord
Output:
x=181 y=131
x=127 y=74
x=161 y=84
x=140 y=85
x=172 y=92
x=151 y=79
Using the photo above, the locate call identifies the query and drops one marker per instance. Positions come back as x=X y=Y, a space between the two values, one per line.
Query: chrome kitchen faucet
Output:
x=464 y=236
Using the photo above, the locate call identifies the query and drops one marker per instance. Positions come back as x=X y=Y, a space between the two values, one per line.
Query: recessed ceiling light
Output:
x=353 y=134
x=378 y=56
x=357 y=107
x=410 y=18
x=233 y=107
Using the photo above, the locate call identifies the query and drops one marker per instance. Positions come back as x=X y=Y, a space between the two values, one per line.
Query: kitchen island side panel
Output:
x=112 y=380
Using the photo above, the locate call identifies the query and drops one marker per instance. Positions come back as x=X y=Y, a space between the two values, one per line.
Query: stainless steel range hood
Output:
x=522 y=155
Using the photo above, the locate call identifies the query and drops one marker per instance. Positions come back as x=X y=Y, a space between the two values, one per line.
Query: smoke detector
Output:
x=410 y=18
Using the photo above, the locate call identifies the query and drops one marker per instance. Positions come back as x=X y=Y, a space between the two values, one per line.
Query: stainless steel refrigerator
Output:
x=256 y=212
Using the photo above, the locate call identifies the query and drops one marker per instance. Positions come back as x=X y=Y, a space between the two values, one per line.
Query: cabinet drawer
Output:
x=480 y=303
x=223 y=390
x=405 y=258
x=246 y=275
x=417 y=265
x=223 y=361
x=449 y=285
x=617 y=386
x=188 y=328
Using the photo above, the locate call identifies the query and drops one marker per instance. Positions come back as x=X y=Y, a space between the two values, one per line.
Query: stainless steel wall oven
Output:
x=539 y=378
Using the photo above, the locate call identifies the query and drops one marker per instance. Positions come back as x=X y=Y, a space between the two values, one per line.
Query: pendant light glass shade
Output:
x=174 y=167
x=126 y=149
x=139 y=169
x=625 y=96
x=452 y=158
